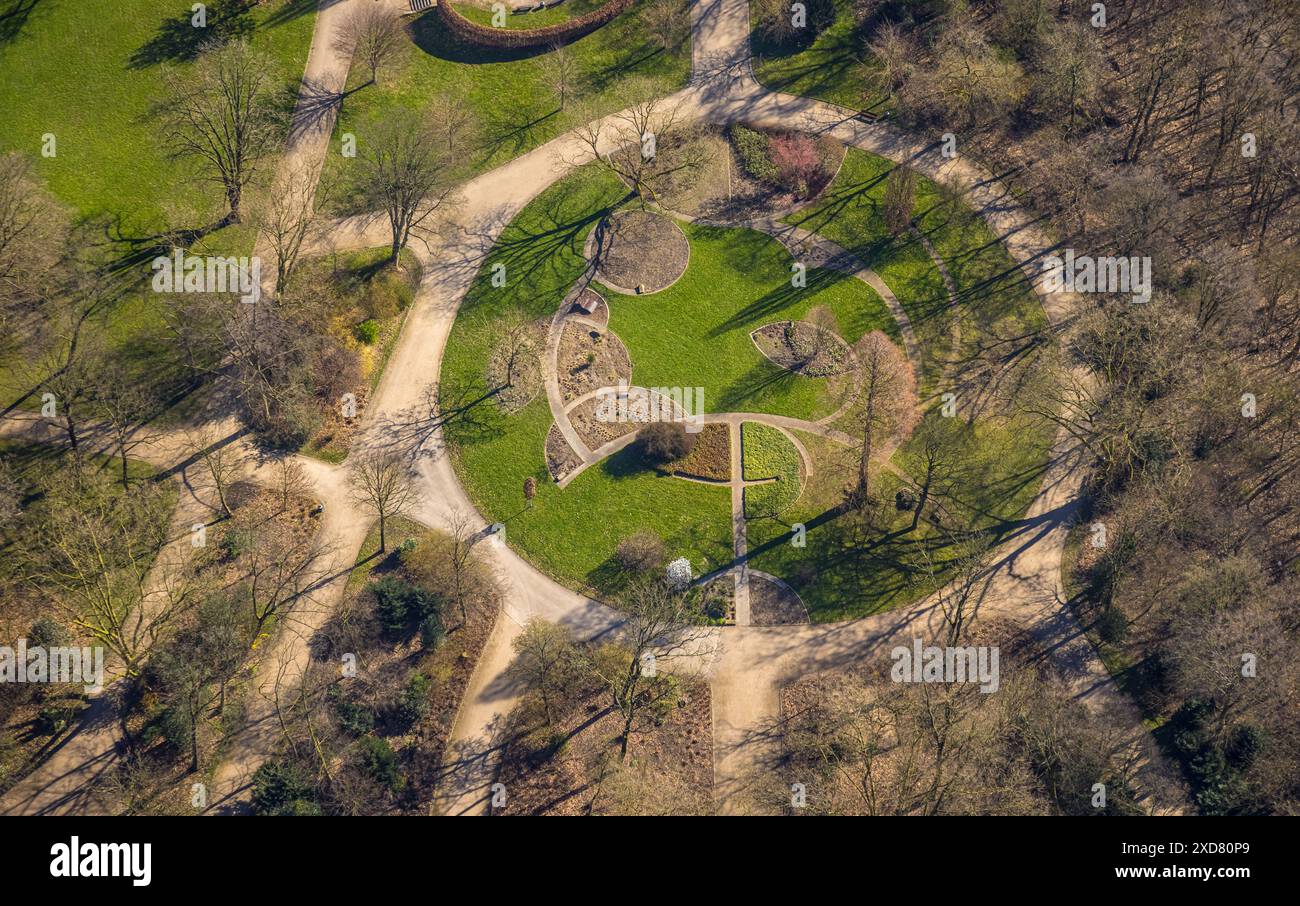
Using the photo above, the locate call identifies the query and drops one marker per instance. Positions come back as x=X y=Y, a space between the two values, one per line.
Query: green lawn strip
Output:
x=507 y=91
x=835 y=67
x=768 y=454
x=696 y=333
x=849 y=213
x=570 y=534
x=91 y=80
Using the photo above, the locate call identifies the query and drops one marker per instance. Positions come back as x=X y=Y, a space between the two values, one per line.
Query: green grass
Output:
x=507 y=91
x=696 y=332
x=835 y=67
x=768 y=454
x=570 y=534
x=91 y=77
x=539 y=19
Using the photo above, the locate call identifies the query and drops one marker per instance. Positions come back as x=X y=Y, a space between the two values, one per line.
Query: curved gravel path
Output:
x=746 y=665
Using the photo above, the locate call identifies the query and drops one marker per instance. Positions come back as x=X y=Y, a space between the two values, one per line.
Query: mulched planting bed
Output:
x=599 y=314
x=641 y=251
x=676 y=755
x=594 y=432
x=590 y=359
x=771 y=604
x=560 y=457
x=804 y=348
x=710 y=458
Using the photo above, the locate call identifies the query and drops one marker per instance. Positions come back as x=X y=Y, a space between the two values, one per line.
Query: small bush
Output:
x=380 y=762
x=755 y=154
x=432 y=632
x=367 y=331
x=664 y=442
x=47 y=633
x=413 y=703
x=354 y=718
x=400 y=605
x=279 y=788
x=641 y=552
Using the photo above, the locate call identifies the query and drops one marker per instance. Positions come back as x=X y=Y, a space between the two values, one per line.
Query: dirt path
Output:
x=752 y=662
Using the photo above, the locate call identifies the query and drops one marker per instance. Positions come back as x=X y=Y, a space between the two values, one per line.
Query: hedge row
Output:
x=487 y=36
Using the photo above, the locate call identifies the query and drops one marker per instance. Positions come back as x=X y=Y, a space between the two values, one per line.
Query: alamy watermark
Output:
x=182 y=273
x=652 y=404
x=1103 y=274
x=935 y=664
x=53 y=664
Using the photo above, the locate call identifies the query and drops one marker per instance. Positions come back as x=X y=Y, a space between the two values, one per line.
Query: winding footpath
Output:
x=746 y=665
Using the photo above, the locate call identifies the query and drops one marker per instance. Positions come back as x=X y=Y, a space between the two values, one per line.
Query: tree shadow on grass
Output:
x=179 y=40
x=14 y=15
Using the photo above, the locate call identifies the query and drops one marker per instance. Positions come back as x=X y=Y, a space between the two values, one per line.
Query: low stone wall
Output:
x=522 y=38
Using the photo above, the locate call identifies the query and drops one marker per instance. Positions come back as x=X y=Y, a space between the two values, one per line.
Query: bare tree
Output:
x=223 y=461
x=406 y=174
x=560 y=70
x=372 y=35
x=900 y=193
x=643 y=145
x=664 y=21
x=289 y=219
x=544 y=661
x=228 y=112
x=127 y=408
x=381 y=479
x=453 y=123
x=661 y=625
x=886 y=401
x=33 y=230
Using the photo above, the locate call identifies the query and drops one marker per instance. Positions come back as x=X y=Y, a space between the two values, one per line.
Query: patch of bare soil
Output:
x=710 y=186
x=641 y=251
x=710 y=458
x=590 y=359
x=574 y=768
x=596 y=432
x=515 y=367
x=561 y=459
x=804 y=348
x=771 y=604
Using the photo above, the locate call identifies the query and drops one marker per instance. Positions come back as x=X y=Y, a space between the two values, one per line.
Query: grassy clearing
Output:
x=766 y=453
x=696 y=332
x=834 y=67
x=507 y=91
x=570 y=534
x=91 y=79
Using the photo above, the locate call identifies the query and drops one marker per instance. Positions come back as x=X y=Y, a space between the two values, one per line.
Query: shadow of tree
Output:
x=14 y=16
x=179 y=40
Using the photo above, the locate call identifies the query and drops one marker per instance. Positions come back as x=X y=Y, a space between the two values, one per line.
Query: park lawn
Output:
x=91 y=79
x=507 y=91
x=849 y=212
x=696 y=333
x=836 y=67
x=570 y=534
x=766 y=453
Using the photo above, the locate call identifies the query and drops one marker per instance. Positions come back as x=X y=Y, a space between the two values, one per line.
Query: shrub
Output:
x=400 y=605
x=279 y=787
x=664 y=442
x=755 y=153
x=367 y=331
x=386 y=295
x=354 y=718
x=432 y=632
x=414 y=700
x=380 y=762
x=640 y=552
x=796 y=160
x=47 y=633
